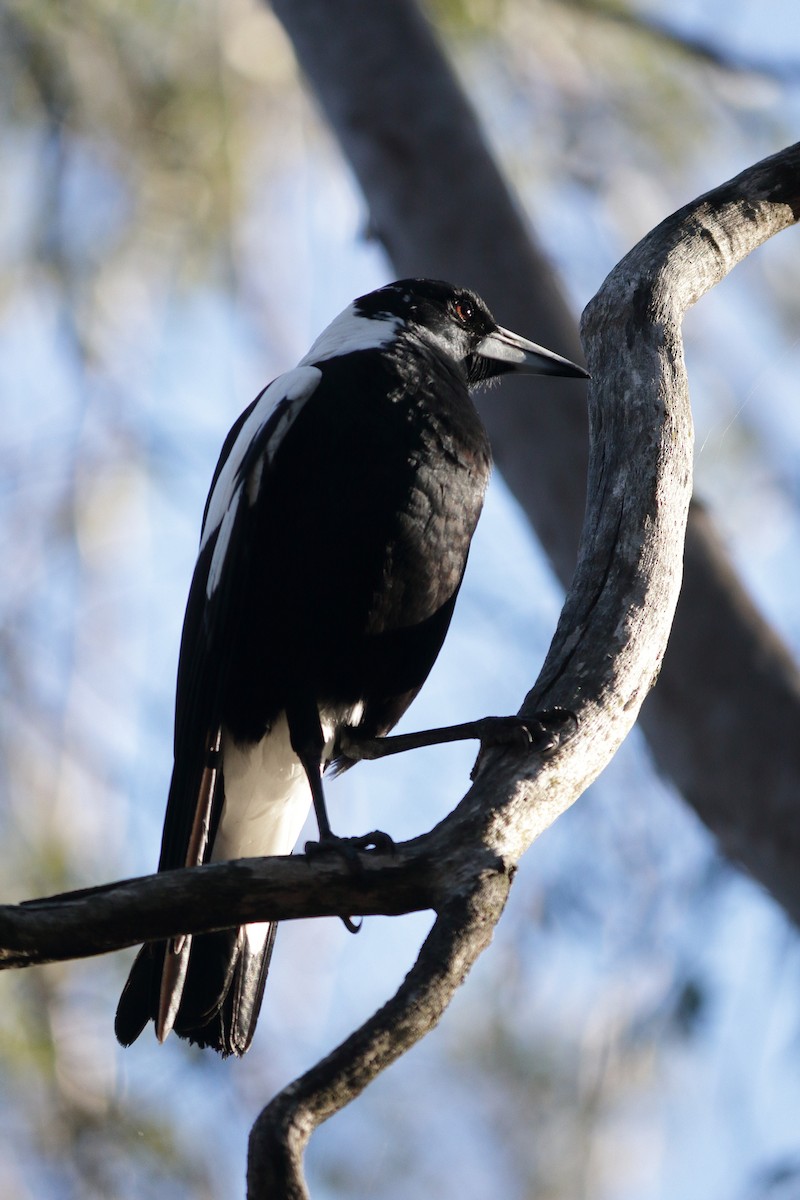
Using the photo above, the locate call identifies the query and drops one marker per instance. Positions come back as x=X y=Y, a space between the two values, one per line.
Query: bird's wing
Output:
x=218 y=586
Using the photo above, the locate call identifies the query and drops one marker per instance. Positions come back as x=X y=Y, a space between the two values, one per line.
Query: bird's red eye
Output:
x=463 y=311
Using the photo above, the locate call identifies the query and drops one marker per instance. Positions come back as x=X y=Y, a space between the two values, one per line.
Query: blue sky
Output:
x=625 y=895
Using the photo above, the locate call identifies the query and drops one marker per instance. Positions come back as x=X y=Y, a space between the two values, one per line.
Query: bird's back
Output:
x=359 y=538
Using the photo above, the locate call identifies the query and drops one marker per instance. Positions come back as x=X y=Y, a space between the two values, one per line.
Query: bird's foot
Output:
x=541 y=733
x=349 y=848
x=558 y=724
x=376 y=841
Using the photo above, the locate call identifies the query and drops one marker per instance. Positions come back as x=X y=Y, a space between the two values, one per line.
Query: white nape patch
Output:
x=350 y=332
x=293 y=389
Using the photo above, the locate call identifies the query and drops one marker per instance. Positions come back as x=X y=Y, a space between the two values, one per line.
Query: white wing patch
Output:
x=291 y=389
x=350 y=332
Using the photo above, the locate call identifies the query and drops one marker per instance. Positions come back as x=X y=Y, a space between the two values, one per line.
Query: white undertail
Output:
x=267 y=799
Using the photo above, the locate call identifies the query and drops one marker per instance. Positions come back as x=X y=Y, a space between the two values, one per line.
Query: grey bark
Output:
x=722 y=723
x=604 y=657
x=608 y=647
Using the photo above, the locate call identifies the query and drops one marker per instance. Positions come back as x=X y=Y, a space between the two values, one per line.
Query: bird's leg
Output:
x=305 y=732
x=541 y=734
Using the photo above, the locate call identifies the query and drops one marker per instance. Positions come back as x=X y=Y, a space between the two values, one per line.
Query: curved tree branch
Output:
x=607 y=649
x=605 y=656
x=723 y=722
x=462 y=930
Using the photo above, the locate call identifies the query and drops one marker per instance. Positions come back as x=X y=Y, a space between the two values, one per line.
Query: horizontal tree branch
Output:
x=153 y=907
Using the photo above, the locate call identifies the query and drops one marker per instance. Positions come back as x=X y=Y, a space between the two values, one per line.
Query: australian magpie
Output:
x=334 y=542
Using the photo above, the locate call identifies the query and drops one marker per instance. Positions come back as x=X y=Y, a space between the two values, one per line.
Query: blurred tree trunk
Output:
x=722 y=721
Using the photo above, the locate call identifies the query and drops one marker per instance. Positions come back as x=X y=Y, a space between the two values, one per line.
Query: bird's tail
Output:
x=222 y=991
x=208 y=987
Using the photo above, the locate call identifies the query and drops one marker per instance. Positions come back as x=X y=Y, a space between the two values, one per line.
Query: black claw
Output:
x=549 y=728
x=350 y=848
x=541 y=733
x=506 y=731
x=331 y=844
x=377 y=841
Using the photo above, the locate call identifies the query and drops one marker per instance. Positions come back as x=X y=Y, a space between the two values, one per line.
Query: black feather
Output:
x=335 y=540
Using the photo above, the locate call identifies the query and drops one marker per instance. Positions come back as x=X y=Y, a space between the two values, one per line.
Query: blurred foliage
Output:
x=148 y=158
x=125 y=129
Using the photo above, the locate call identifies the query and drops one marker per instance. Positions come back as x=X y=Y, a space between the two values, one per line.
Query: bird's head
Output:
x=458 y=324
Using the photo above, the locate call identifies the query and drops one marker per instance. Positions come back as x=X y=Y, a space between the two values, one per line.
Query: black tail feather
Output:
x=135 y=1006
x=239 y=1012
x=221 y=996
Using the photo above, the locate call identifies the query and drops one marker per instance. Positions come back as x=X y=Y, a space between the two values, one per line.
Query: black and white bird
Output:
x=333 y=546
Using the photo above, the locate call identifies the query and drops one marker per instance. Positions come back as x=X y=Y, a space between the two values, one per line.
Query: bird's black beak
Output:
x=508 y=351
